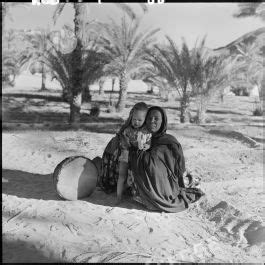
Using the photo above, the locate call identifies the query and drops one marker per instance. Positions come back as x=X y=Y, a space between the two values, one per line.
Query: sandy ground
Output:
x=227 y=225
x=38 y=226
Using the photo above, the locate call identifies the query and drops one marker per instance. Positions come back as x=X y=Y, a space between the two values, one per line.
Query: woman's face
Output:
x=154 y=121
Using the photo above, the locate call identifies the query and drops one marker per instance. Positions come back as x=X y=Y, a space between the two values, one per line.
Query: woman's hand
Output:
x=190 y=179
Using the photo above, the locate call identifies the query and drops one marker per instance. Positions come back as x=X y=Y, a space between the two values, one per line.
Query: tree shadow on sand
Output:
x=224 y=112
x=41 y=187
x=28 y=185
x=21 y=115
x=100 y=127
x=21 y=252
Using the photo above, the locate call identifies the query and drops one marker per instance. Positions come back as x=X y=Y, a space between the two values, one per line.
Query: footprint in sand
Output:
x=53 y=228
x=240 y=229
x=72 y=228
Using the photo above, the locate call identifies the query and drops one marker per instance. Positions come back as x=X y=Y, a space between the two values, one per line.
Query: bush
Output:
x=95 y=110
x=245 y=93
x=111 y=108
x=240 y=91
x=258 y=111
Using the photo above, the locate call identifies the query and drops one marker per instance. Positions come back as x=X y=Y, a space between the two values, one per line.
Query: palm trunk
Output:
x=201 y=111
x=163 y=91
x=123 y=92
x=43 y=78
x=86 y=96
x=75 y=107
x=261 y=88
x=112 y=84
x=66 y=95
x=150 y=88
x=184 y=104
x=101 y=86
x=76 y=100
x=112 y=91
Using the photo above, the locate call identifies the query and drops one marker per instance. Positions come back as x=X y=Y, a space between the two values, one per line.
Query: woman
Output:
x=158 y=172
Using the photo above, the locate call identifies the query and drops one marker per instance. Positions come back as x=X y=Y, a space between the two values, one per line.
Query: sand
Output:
x=39 y=227
x=227 y=225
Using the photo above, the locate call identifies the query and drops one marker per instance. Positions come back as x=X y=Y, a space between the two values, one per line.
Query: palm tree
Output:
x=10 y=68
x=101 y=83
x=192 y=73
x=126 y=47
x=39 y=44
x=9 y=59
x=208 y=76
x=174 y=66
x=80 y=14
x=147 y=73
x=248 y=62
x=251 y=9
x=248 y=67
x=9 y=38
x=62 y=67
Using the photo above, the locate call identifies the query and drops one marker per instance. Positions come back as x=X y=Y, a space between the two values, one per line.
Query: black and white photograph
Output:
x=133 y=132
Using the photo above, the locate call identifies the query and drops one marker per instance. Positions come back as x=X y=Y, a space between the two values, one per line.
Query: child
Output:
x=133 y=133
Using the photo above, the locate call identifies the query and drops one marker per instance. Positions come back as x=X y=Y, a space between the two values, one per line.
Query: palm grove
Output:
x=120 y=50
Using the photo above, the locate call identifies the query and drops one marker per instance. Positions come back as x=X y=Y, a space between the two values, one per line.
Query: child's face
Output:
x=138 y=118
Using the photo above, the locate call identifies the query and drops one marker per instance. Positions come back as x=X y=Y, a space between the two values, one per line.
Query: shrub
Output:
x=95 y=110
x=245 y=93
x=111 y=108
x=258 y=111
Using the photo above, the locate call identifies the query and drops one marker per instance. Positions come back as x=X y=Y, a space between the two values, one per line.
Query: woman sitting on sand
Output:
x=155 y=176
x=158 y=171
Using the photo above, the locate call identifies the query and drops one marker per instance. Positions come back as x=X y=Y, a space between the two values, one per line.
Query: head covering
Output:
x=161 y=137
x=137 y=106
x=163 y=127
x=127 y=122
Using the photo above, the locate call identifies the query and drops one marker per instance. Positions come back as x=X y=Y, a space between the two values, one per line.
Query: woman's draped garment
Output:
x=158 y=175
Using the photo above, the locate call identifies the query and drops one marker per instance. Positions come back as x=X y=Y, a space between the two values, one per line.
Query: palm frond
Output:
x=247 y=9
x=57 y=12
x=127 y=9
x=144 y=7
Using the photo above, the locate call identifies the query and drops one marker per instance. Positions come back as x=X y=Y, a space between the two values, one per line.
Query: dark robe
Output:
x=158 y=172
x=109 y=168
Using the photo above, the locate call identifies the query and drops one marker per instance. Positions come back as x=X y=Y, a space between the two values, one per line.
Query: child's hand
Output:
x=146 y=147
x=141 y=140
